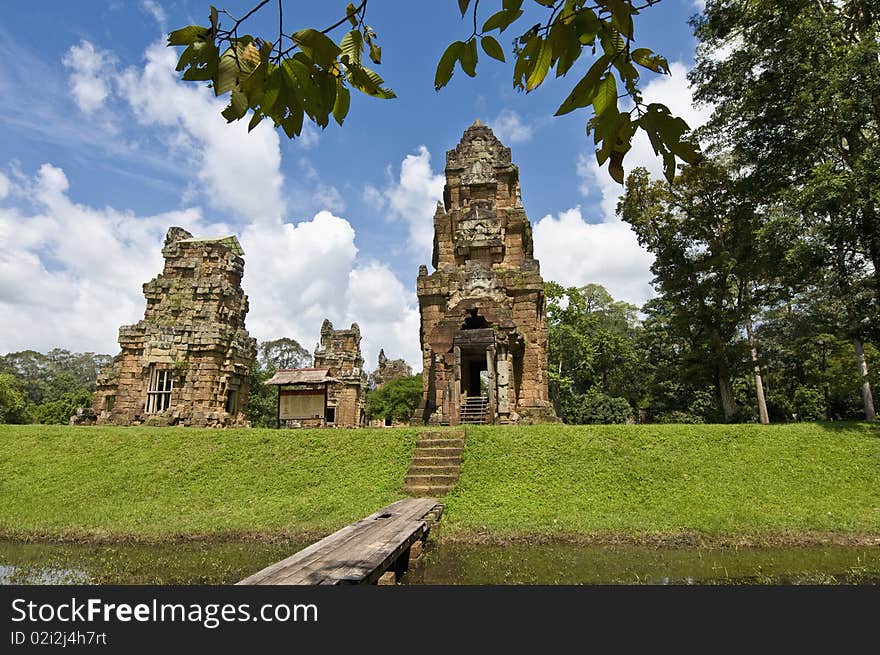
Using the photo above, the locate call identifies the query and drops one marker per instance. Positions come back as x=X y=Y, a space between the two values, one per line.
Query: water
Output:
x=447 y=563
x=628 y=564
x=198 y=562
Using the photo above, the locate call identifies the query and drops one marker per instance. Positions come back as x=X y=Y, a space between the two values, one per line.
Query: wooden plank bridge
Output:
x=359 y=553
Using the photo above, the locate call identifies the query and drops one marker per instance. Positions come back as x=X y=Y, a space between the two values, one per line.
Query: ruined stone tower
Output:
x=483 y=328
x=188 y=361
x=340 y=353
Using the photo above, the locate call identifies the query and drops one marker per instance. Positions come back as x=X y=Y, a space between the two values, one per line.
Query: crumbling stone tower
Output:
x=483 y=326
x=188 y=361
x=340 y=353
x=390 y=369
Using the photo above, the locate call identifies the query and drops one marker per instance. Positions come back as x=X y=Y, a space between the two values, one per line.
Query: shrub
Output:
x=809 y=404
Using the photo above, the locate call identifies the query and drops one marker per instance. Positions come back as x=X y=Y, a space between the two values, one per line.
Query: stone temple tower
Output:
x=483 y=326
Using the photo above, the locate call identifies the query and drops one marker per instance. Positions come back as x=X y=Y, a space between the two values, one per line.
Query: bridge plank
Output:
x=358 y=553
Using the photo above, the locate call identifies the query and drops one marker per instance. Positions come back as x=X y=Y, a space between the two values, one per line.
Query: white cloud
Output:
x=75 y=273
x=238 y=171
x=157 y=12
x=510 y=129
x=387 y=313
x=573 y=252
x=673 y=91
x=413 y=199
x=90 y=68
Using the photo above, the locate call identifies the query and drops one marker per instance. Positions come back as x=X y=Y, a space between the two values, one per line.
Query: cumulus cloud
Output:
x=387 y=314
x=673 y=91
x=90 y=69
x=574 y=252
x=412 y=198
x=157 y=12
x=510 y=128
x=75 y=272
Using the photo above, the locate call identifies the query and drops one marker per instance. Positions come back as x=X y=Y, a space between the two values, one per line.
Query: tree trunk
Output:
x=867 y=398
x=759 y=384
x=727 y=402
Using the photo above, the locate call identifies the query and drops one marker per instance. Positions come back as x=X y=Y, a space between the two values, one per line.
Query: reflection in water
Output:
x=447 y=563
x=187 y=563
x=571 y=564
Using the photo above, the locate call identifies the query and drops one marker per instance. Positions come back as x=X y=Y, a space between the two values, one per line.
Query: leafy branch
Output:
x=306 y=73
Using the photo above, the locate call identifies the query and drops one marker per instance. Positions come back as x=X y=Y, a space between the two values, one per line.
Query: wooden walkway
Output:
x=358 y=553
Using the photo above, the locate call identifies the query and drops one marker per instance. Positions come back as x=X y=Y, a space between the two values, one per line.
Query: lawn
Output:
x=669 y=479
x=545 y=481
x=154 y=482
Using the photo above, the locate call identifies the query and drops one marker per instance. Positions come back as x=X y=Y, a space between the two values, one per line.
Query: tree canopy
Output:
x=293 y=75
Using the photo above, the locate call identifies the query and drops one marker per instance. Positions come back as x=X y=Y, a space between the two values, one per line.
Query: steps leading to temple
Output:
x=436 y=463
x=474 y=410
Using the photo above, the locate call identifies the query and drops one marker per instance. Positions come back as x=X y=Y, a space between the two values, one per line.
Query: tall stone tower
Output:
x=483 y=329
x=188 y=361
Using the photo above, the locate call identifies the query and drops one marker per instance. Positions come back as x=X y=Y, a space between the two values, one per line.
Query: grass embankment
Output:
x=660 y=482
x=108 y=482
x=590 y=482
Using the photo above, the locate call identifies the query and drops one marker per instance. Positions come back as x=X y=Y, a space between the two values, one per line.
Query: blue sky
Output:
x=104 y=148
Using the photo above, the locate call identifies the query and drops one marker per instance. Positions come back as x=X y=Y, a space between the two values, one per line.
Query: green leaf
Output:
x=369 y=82
x=541 y=66
x=621 y=16
x=237 y=108
x=501 y=20
x=606 y=94
x=255 y=120
x=463 y=6
x=468 y=58
x=375 y=53
x=525 y=62
x=447 y=64
x=235 y=65
x=645 y=57
x=583 y=92
x=351 y=46
x=350 y=11
x=343 y=99
x=492 y=48
x=189 y=35
x=319 y=47
x=292 y=124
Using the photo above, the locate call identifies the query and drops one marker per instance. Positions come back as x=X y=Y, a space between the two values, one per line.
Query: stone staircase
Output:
x=436 y=463
x=473 y=410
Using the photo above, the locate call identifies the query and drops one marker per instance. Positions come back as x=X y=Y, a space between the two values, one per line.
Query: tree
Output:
x=283 y=353
x=395 y=400
x=702 y=233
x=289 y=76
x=12 y=401
x=594 y=366
x=797 y=103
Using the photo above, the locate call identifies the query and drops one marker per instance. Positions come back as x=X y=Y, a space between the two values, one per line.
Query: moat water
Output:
x=447 y=563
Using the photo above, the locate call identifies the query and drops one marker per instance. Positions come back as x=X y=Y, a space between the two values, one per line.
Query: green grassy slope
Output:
x=716 y=479
x=539 y=480
x=162 y=481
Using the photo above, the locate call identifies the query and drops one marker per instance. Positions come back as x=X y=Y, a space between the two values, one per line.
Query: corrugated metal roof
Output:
x=301 y=376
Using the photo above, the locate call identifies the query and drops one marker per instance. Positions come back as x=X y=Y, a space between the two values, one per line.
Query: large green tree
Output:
x=797 y=103
x=292 y=75
x=702 y=232
x=595 y=368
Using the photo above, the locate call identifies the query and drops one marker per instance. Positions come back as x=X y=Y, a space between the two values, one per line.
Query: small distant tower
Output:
x=340 y=353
